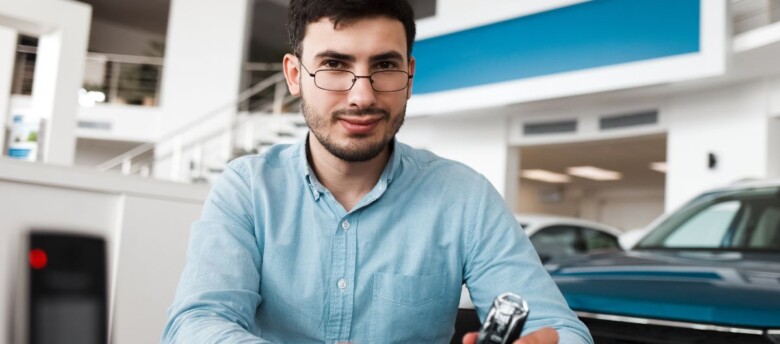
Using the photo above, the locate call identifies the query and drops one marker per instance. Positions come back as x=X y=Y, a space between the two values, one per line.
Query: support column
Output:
x=8 y=39
x=202 y=75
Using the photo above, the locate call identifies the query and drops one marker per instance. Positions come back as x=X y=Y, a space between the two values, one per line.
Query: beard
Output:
x=361 y=147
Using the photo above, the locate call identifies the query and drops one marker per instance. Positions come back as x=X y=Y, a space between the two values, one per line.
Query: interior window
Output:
x=706 y=229
x=599 y=241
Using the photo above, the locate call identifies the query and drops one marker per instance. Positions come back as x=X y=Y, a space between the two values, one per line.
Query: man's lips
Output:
x=359 y=125
x=363 y=120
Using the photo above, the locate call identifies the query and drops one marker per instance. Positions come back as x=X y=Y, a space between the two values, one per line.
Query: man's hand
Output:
x=545 y=335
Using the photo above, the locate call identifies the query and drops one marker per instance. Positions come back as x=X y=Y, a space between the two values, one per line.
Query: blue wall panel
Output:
x=583 y=36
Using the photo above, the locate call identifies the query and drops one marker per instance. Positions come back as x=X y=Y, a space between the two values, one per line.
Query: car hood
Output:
x=725 y=288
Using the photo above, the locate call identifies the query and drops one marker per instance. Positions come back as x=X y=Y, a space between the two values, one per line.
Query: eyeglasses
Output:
x=340 y=80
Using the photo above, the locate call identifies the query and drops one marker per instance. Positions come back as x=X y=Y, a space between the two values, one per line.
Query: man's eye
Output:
x=332 y=64
x=386 y=65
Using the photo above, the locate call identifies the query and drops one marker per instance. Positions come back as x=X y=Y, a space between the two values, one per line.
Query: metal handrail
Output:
x=173 y=135
x=133 y=59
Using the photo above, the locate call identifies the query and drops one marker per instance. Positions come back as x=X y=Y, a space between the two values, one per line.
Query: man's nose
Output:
x=362 y=95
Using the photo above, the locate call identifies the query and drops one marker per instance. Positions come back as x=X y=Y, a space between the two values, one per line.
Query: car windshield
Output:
x=747 y=219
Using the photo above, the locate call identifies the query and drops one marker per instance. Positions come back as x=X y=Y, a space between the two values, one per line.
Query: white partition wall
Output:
x=63 y=31
x=145 y=223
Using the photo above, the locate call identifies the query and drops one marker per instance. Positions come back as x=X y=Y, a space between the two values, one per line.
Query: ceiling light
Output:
x=545 y=176
x=595 y=173
x=658 y=166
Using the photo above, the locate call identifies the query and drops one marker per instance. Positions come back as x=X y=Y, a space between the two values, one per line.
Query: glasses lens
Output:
x=334 y=80
x=390 y=81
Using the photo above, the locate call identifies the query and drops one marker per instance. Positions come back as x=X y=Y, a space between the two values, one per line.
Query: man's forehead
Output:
x=361 y=38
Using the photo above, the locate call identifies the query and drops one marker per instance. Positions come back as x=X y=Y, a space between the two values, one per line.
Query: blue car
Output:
x=707 y=273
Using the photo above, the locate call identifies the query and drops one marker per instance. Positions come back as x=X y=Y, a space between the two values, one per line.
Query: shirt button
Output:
x=345 y=225
x=342 y=284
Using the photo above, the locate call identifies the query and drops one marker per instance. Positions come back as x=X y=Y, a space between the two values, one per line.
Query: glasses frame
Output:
x=355 y=77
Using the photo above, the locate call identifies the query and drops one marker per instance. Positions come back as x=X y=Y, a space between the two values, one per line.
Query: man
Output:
x=351 y=236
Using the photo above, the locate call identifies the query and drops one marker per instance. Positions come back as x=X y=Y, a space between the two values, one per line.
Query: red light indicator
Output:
x=38 y=259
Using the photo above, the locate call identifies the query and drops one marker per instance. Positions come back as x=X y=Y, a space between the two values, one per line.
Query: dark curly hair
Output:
x=303 y=12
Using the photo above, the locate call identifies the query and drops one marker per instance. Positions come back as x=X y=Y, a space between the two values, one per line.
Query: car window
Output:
x=761 y=228
x=705 y=229
x=599 y=241
x=557 y=241
x=738 y=219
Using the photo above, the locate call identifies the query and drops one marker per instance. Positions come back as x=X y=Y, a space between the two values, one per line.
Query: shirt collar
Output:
x=390 y=171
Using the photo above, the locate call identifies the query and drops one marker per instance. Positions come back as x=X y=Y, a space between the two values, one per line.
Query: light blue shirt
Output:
x=275 y=258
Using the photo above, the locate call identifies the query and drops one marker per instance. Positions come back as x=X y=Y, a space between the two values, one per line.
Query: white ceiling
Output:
x=630 y=156
x=147 y=15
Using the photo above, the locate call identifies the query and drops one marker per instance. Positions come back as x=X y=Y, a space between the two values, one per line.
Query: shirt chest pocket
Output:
x=408 y=305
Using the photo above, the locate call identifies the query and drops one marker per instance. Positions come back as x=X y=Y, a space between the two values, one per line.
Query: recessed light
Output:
x=595 y=173
x=545 y=176
x=658 y=166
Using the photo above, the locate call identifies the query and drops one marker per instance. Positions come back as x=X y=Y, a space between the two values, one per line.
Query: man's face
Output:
x=358 y=124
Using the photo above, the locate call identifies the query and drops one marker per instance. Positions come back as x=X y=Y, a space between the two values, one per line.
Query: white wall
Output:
x=625 y=208
x=145 y=222
x=529 y=199
x=127 y=122
x=105 y=38
x=730 y=122
x=477 y=140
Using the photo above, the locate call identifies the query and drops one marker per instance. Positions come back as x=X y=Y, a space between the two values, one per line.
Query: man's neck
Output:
x=347 y=181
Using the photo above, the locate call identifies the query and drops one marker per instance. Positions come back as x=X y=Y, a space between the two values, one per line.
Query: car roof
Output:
x=746 y=184
x=534 y=222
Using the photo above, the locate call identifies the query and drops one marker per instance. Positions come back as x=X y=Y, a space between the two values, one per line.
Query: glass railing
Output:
x=108 y=78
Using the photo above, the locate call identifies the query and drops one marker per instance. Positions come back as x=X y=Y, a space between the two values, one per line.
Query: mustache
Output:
x=361 y=112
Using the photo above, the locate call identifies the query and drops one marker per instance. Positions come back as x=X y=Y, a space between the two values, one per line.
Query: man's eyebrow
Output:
x=330 y=54
x=390 y=55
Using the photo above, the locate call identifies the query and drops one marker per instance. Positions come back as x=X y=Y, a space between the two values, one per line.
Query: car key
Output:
x=505 y=321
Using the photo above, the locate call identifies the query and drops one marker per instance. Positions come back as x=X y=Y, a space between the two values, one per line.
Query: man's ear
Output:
x=292 y=73
x=411 y=81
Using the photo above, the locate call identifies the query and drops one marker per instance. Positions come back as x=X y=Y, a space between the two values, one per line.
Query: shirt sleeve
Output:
x=218 y=292
x=502 y=259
